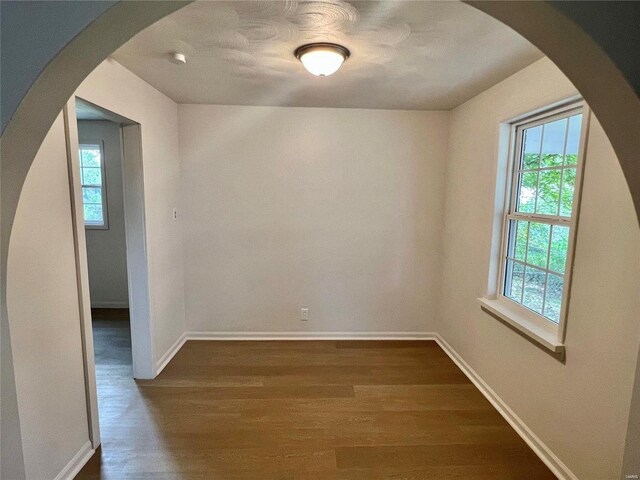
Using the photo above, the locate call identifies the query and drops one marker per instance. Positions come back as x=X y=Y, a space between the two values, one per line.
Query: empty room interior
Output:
x=100 y=162
x=318 y=240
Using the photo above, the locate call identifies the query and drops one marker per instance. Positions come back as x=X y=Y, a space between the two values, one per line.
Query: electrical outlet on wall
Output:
x=175 y=213
x=304 y=314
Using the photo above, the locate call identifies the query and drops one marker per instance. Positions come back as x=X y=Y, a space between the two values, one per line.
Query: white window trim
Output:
x=105 y=212
x=534 y=326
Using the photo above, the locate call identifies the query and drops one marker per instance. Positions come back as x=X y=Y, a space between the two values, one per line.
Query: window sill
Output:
x=519 y=322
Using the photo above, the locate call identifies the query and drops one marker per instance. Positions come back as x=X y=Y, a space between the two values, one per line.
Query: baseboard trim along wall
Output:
x=109 y=304
x=534 y=442
x=311 y=336
x=169 y=354
x=76 y=463
x=545 y=454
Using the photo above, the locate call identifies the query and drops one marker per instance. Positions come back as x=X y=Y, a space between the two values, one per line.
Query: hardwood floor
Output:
x=111 y=336
x=304 y=410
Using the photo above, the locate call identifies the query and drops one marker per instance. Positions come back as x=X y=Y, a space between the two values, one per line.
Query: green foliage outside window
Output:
x=543 y=191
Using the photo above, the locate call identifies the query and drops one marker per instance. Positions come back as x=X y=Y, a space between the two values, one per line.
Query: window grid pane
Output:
x=539 y=228
x=566 y=195
x=527 y=191
x=553 y=297
x=92 y=180
x=531 y=148
x=90 y=156
x=93 y=213
x=91 y=176
x=538 y=244
x=573 y=140
x=534 y=280
x=521 y=239
x=548 y=200
x=516 y=281
x=559 y=248
x=553 y=143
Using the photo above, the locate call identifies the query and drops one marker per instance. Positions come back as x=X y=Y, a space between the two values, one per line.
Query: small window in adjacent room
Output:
x=92 y=173
x=540 y=222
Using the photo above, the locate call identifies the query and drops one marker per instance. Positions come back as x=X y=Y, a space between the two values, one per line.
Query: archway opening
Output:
x=620 y=132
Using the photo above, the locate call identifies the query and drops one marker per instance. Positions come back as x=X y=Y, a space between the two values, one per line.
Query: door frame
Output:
x=142 y=333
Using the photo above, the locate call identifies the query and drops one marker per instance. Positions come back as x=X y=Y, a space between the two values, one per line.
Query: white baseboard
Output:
x=76 y=463
x=545 y=454
x=169 y=354
x=109 y=304
x=310 y=336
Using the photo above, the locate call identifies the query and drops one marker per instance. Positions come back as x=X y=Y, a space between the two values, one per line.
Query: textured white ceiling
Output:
x=418 y=55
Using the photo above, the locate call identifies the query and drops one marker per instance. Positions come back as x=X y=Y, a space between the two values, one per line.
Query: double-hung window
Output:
x=541 y=217
x=94 y=195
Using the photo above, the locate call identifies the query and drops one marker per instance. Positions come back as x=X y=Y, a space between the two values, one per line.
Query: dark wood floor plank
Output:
x=289 y=410
x=430 y=455
x=206 y=393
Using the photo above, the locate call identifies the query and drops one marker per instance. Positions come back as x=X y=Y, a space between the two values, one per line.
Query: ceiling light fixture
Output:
x=322 y=59
x=178 y=58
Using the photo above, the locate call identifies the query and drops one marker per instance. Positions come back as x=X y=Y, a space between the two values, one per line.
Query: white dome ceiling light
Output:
x=322 y=59
x=178 y=58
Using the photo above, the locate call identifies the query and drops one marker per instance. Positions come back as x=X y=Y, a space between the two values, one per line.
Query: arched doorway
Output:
x=592 y=72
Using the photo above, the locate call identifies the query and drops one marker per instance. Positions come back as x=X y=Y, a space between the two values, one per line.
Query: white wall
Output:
x=42 y=293
x=579 y=409
x=336 y=210
x=106 y=249
x=42 y=301
x=114 y=88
